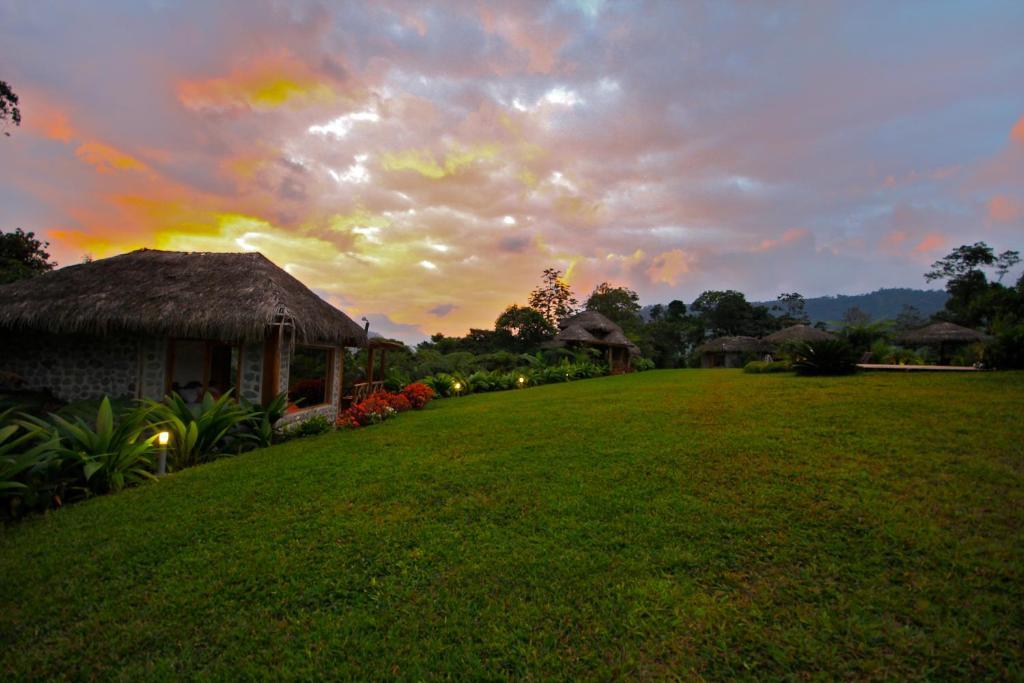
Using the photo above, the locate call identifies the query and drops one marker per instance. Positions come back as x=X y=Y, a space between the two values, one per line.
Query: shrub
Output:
x=107 y=455
x=642 y=364
x=259 y=430
x=312 y=426
x=419 y=394
x=201 y=433
x=825 y=357
x=758 y=367
x=373 y=410
x=29 y=466
x=398 y=402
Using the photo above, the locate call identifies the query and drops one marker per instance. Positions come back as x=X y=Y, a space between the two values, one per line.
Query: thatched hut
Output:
x=149 y=322
x=594 y=330
x=731 y=352
x=945 y=337
x=796 y=334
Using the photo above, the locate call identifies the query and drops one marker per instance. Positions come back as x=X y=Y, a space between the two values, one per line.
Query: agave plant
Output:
x=108 y=454
x=825 y=357
x=201 y=433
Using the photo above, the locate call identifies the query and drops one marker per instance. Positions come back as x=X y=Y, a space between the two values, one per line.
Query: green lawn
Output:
x=669 y=524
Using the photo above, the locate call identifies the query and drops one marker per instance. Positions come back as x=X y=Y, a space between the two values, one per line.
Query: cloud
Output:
x=395 y=156
x=441 y=310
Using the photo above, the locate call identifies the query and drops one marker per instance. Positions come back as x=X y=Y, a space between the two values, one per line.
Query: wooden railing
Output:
x=364 y=390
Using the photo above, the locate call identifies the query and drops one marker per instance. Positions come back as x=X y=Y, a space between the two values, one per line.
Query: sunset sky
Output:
x=421 y=164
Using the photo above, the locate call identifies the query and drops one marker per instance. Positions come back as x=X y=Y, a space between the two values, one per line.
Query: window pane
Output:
x=307 y=376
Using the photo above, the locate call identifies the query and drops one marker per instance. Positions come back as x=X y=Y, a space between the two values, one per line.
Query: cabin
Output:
x=149 y=322
x=797 y=334
x=594 y=330
x=732 y=352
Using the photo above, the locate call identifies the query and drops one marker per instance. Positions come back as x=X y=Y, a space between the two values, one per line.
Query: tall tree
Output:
x=909 y=318
x=22 y=256
x=728 y=313
x=527 y=326
x=621 y=305
x=792 y=307
x=973 y=300
x=9 y=106
x=553 y=298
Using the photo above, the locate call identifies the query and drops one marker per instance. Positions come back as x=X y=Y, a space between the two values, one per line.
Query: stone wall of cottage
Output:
x=251 y=383
x=73 y=367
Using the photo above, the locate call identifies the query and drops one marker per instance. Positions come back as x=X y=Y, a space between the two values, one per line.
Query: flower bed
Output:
x=385 y=405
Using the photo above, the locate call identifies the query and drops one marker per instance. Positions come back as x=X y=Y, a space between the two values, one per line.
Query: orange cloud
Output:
x=107 y=159
x=892 y=241
x=43 y=117
x=930 y=243
x=1017 y=132
x=1003 y=209
x=670 y=266
x=788 y=236
x=264 y=83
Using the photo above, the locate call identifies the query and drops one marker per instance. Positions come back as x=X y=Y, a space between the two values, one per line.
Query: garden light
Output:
x=521 y=380
x=162 y=438
x=457 y=387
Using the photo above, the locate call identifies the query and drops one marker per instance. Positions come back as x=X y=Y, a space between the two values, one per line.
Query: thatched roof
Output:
x=591 y=321
x=734 y=345
x=939 y=333
x=593 y=329
x=798 y=333
x=187 y=294
x=575 y=333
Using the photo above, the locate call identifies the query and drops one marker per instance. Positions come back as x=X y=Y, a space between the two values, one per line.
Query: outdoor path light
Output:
x=163 y=438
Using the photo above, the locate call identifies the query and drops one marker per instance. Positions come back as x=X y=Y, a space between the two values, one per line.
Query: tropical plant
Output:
x=201 y=433
x=108 y=454
x=260 y=432
x=825 y=357
x=28 y=459
x=643 y=364
x=312 y=426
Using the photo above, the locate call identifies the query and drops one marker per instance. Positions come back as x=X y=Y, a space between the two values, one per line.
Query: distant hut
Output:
x=593 y=330
x=797 y=334
x=145 y=323
x=731 y=352
x=945 y=337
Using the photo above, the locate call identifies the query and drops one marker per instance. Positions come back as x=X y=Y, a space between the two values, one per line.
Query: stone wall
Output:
x=152 y=367
x=252 y=373
x=73 y=367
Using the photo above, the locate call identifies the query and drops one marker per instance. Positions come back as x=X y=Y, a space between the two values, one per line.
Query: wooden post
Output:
x=369 y=365
x=383 y=362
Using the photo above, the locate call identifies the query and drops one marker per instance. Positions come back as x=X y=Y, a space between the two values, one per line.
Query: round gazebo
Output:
x=944 y=336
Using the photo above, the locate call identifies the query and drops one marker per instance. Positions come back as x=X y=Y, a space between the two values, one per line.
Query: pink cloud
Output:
x=1004 y=209
x=1017 y=132
x=931 y=242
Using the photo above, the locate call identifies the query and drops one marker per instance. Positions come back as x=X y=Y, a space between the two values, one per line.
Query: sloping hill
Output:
x=674 y=523
x=882 y=304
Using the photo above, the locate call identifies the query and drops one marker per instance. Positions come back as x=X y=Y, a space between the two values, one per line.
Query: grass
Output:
x=673 y=524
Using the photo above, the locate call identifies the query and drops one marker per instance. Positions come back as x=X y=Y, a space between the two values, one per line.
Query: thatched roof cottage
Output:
x=946 y=337
x=732 y=352
x=594 y=330
x=149 y=322
x=796 y=334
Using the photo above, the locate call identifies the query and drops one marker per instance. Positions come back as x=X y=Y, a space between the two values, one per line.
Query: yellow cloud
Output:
x=423 y=162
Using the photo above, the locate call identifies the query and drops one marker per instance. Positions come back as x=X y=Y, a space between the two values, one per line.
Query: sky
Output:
x=420 y=164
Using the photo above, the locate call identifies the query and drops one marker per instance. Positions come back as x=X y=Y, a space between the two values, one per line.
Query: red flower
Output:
x=419 y=394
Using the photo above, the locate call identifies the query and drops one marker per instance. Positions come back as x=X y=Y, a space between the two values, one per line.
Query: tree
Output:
x=792 y=307
x=22 y=256
x=9 y=106
x=527 y=326
x=619 y=304
x=855 y=316
x=553 y=298
x=909 y=318
x=973 y=301
x=728 y=313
